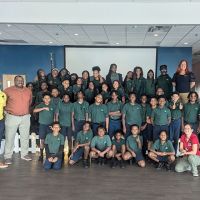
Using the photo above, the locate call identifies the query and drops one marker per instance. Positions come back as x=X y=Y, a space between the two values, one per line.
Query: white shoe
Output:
x=189 y=168
x=27 y=158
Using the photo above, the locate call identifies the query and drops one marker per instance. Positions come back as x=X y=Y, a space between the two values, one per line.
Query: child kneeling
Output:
x=101 y=146
x=82 y=146
x=134 y=146
x=54 y=145
x=162 y=151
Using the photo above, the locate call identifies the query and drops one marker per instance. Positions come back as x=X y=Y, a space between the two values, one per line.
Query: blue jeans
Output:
x=95 y=126
x=114 y=125
x=157 y=129
x=77 y=154
x=66 y=132
x=2 y=128
x=49 y=165
x=175 y=130
x=78 y=126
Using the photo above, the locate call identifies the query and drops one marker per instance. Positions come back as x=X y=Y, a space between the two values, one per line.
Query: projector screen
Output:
x=80 y=59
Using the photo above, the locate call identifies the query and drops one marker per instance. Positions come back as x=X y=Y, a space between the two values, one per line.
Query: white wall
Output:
x=79 y=59
x=100 y=13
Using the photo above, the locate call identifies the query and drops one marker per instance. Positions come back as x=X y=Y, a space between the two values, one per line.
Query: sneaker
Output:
x=8 y=161
x=3 y=166
x=113 y=163
x=27 y=158
x=168 y=167
x=189 y=168
x=121 y=164
x=195 y=174
x=85 y=164
x=160 y=166
x=40 y=159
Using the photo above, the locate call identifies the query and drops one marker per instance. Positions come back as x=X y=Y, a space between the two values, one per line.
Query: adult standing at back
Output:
x=17 y=109
x=183 y=80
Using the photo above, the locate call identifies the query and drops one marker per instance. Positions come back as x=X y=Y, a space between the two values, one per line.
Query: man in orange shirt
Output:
x=17 y=109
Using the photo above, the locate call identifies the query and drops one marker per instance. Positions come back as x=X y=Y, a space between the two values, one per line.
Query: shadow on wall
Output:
x=196 y=71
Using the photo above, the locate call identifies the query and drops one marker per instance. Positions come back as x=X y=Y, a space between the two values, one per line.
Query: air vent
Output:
x=159 y=29
x=13 y=41
x=101 y=43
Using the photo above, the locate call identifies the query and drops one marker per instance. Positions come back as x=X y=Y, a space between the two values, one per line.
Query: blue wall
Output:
x=171 y=57
x=16 y=59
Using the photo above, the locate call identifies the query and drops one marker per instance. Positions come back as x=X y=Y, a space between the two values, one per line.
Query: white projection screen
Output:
x=80 y=59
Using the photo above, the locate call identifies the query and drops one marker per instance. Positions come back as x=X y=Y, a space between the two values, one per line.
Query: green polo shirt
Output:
x=101 y=143
x=113 y=107
x=133 y=113
x=145 y=109
x=106 y=95
x=191 y=112
x=76 y=89
x=132 y=144
x=53 y=81
x=83 y=138
x=89 y=95
x=150 y=87
x=63 y=91
x=114 y=77
x=55 y=100
x=54 y=142
x=120 y=93
x=118 y=144
x=175 y=113
x=46 y=117
x=139 y=85
x=160 y=116
x=65 y=113
x=85 y=84
x=98 y=113
x=165 y=82
x=165 y=147
x=128 y=86
x=80 y=110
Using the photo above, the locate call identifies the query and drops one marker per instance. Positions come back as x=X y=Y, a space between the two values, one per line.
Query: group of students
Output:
x=116 y=119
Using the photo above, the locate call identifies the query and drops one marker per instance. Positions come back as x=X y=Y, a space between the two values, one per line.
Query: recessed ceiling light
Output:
x=75 y=34
x=50 y=42
x=135 y=26
x=156 y=35
x=9 y=25
x=185 y=43
x=117 y=43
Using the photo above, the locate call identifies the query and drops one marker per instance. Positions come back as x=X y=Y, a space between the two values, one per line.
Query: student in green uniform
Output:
x=77 y=87
x=101 y=146
x=113 y=75
x=161 y=118
x=90 y=93
x=85 y=79
x=144 y=130
x=39 y=95
x=131 y=114
x=115 y=112
x=55 y=96
x=164 y=81
x=79 y=113
x=139 y=82
x=65 y=88
x=150 y=84
x=46 y=112
x=53 y=79
x=191 y=112
x=153 y=105
x=176 y=107
x=97 y=79
x=162 y=151
x=120 y=90
x=128 y=83
x=54 y=146
x=118 y=149
x=134 y=146
x=98 y=114
x=105 y=92
x=82 y=145
x=64 y=116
